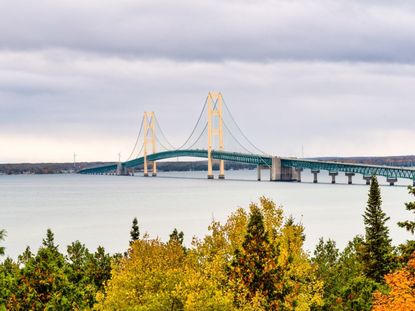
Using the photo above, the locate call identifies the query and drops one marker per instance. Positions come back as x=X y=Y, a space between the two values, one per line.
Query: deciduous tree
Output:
x=401 y=294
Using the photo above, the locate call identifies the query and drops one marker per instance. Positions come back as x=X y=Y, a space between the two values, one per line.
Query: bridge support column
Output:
x=121 y=170
x=154 y=174
x=413 y=183
x=315 y=172
x=276 y=169
x=333 y=176
x=258 y=172
x=298 y=170
x=367 y=178
x=391 y=180
x=349 y=178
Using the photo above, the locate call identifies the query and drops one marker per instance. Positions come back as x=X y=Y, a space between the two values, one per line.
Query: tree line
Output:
x=253 y=261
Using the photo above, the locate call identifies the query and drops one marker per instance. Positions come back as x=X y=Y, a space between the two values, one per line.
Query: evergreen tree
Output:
x=376 y=252
x=135 y=231
x=49 y=241
x=409 y=225
x=177 y=236
x=252 y=271
x=2 y=236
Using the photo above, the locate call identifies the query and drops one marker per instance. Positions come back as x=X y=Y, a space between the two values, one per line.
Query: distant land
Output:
x=63 y=168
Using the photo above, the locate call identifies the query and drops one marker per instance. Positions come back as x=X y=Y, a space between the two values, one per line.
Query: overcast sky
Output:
x=334 y=76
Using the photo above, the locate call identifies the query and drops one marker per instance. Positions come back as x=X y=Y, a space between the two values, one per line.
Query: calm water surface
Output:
x=98 y=210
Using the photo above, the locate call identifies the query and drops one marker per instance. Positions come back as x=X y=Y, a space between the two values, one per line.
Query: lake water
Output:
x=98 y=210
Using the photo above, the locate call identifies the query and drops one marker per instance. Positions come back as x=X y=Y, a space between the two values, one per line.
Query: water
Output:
x=98 y=210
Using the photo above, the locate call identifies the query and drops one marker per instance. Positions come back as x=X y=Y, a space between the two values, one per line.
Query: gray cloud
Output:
x=369 y=31
x=334 y=76
x=328 y=107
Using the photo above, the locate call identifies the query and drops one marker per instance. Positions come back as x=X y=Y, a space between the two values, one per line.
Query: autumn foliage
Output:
x=253 y=261
x=401 y=295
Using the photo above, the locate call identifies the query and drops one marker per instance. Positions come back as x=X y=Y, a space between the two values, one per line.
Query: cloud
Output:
x=334 y=76
x=268 y=30
x=337 y=108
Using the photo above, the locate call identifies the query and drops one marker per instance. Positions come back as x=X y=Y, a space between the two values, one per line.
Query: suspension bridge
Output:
x=207 y=140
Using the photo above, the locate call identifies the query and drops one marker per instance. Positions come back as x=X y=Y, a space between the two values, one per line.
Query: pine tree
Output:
x=177 y=236
x=376 y=249
x=409 y=225
x=135 y=231
x=49 y=241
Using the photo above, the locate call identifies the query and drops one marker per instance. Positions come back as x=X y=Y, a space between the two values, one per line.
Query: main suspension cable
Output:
x=161 y=144
x=194 y=128
x=162 y=134
x=197 y=140
x=247 y=139
x=247 y=150
x=136 y=141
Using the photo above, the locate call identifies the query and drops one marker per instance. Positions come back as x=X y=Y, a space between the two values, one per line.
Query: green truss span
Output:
x=262 y=160
x=366 y=170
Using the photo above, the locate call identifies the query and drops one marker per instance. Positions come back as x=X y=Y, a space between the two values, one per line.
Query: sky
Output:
x=312 y=78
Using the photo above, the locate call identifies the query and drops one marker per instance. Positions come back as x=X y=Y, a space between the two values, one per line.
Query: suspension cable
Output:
x=247 y=139
x=137 y=139
x=259 y=157
x=138 y=154
x=204 y=129
x=194 y=128
x=161 y=144
x=162 y=134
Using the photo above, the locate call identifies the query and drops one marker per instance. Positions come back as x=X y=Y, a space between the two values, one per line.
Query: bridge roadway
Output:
x=292 y=165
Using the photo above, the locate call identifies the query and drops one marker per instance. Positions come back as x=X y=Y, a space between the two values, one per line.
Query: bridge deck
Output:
x=264 y=160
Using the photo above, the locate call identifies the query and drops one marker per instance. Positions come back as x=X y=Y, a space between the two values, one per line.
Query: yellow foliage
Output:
x=162 y=276
x=146 y=279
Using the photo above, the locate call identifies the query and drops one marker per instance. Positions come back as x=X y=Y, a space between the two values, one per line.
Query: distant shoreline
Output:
x=63 y=168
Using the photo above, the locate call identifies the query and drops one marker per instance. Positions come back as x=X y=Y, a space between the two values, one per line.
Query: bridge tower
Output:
x=214 y=109
x=149 y=128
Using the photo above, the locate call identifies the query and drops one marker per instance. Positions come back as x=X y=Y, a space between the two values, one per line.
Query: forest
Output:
x=255 y=260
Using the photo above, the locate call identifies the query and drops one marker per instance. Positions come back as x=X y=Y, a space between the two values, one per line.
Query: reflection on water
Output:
x=98 y=210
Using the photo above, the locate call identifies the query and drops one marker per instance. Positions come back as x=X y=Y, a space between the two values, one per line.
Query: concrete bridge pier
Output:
x=413 y=183
x=392 y=180
x=298 y=170
x=367 y=178
x=275 y=169
x=280 y=173
x=333 y=176
x=258 y=172
x=315 y=172
x=349 y=178
x=121 y=170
